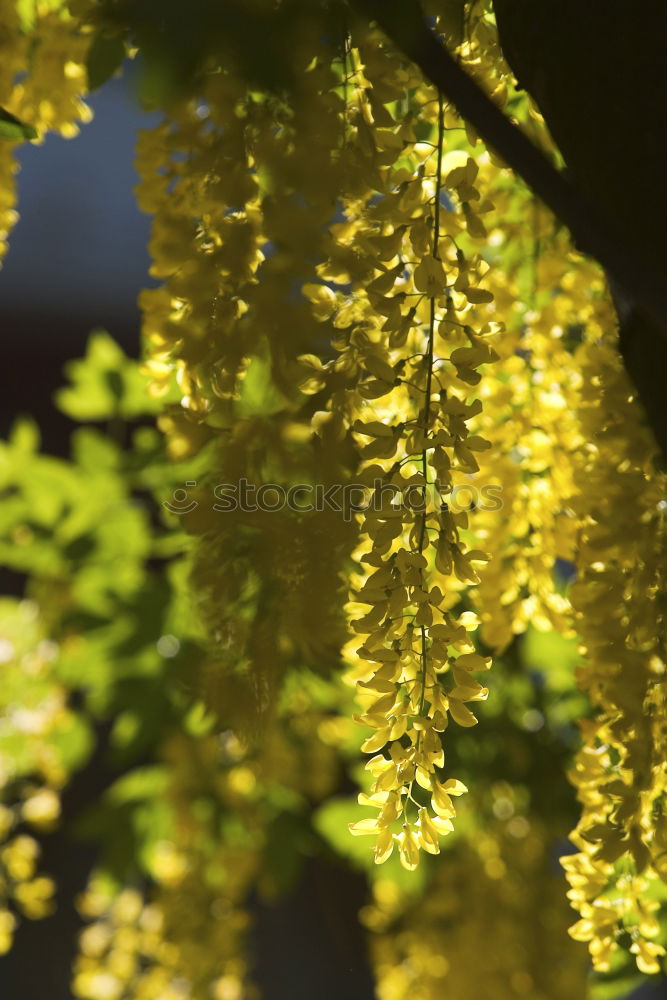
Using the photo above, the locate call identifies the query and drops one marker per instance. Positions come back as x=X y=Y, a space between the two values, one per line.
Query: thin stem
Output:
x=426 y=420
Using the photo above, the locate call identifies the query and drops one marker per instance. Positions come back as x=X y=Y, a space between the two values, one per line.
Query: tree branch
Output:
x=403 y=22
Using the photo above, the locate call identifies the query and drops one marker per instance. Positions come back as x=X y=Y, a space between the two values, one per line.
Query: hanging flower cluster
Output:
x=409 y=337
x=33 y=763
x=619 y=599
x=42 y=83
x=242 y=186
x=415 y=359
x=181 y=930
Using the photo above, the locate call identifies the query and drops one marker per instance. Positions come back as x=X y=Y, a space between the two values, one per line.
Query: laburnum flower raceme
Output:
x=350 y=289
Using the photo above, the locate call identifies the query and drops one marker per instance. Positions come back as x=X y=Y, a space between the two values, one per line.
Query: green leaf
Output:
x=13 y=128
x=73 y=742
x=617 y=987
x=332 y=820
x=452 y=21
x=94 y=452
x=106 y=384
x=553 y=655
x=105 y=57
x=147 y=783
x=259 y=395
x=287 y=842
x=27 y=10
x=24 y=437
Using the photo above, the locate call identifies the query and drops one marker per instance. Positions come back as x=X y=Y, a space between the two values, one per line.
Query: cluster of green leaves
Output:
x=106 y=576
x=105 y=570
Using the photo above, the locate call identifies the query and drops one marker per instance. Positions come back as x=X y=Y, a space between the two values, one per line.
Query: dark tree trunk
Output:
x=597 y=72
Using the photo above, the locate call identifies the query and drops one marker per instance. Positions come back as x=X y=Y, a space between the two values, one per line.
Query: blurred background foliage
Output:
x=103 y=662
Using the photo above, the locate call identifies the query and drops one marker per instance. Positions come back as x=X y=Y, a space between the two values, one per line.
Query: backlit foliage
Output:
x=353 y=294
